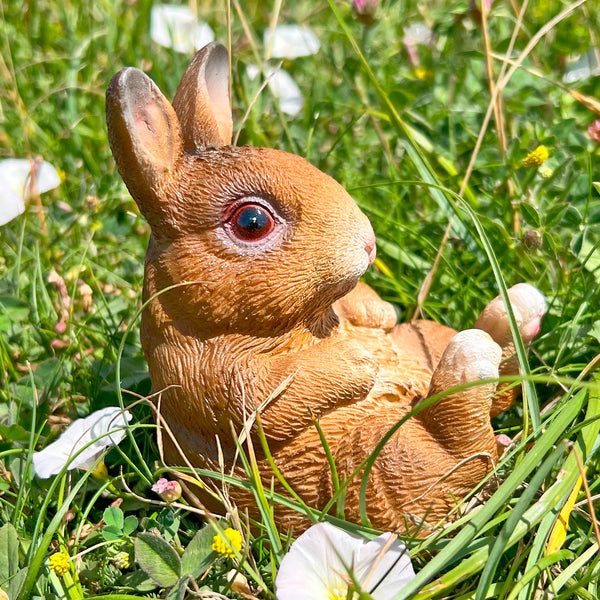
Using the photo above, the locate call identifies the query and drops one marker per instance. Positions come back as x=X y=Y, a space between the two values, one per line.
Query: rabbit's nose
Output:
x=371 y=248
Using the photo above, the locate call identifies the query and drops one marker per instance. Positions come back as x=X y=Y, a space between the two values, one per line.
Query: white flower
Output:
x=93 y=432
x=283 y=87
x=583 y=68
x=319 y=562
x=417 y=33
x=178 y=28
x=291 y=41
x=15 y=178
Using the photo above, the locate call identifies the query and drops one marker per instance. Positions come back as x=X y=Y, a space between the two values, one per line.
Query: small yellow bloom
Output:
x=122 y=560
x=59 y=563
x=100 y=472
x=422 y=73
x=225 y=548
x=537 y=158
x=340 y=593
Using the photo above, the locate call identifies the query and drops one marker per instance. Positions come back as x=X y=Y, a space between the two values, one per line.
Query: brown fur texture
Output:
x=286 y=312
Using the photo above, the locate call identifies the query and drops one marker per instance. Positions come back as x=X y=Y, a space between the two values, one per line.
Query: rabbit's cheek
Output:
x=359 y=261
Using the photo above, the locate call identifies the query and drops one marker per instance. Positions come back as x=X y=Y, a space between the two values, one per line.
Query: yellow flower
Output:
x=340 y=593
x=59 y=563
x=225 y=547
x=422 y=73
x=101 y=472
x=122 y=560
x=537 y=158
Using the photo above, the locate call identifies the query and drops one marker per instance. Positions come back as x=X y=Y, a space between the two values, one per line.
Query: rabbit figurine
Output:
x=255 y=308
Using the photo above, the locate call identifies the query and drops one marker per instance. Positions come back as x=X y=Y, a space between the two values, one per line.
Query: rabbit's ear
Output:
x=145 y=138
x=202 y=100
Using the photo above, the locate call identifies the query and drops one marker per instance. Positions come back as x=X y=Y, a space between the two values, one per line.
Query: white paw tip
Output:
x=477 y=347
x=529 y=305
x=529 y=300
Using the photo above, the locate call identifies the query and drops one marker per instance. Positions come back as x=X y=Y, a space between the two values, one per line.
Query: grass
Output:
x=409 y=140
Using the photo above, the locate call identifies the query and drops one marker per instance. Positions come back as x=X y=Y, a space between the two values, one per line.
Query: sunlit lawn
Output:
x=400 y=111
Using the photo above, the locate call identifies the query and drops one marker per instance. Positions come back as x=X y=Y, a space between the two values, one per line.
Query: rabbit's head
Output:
x=268 y=240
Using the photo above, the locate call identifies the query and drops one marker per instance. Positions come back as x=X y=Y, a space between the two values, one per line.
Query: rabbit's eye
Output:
x=251 y=222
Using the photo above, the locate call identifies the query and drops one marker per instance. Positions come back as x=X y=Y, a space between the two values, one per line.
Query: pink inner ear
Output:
x=217 y=86
x=141 y=118
x=154 y=131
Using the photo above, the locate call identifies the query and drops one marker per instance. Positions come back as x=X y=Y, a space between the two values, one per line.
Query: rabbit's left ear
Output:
x=202 y=100
x=145 y=139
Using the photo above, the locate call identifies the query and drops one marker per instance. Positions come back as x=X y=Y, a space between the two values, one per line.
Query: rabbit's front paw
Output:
x=470 y=356
x=362 y=307
x=460 y=420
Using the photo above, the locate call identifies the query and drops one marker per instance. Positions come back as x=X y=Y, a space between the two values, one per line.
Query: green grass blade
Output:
x=528 y=388
x=543 y=564
x=516 y=514
x=264 y=507
x=578 y=563
x=38 y=555
x=585 y=443
x=555 y=431
x=265 y=446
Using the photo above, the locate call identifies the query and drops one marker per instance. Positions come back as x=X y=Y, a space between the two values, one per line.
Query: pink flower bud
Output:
x=502 y=443
x=594 y=131
x=366 y=10
x=169 y=491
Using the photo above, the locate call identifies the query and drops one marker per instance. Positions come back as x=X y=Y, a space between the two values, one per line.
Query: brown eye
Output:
x=251 y=222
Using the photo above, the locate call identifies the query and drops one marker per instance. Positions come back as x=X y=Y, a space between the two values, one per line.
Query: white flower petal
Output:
x=252 y=71
x=286 y=89
x=318 y=560
x=47 y=177
x=11 y=205
x=393 y=570
x=417 y=33
x=176 y=27
x=583 y=68
x=312 y=567
x=14 y=175
x=283 y=87
x=291 y=41
x=92 y=430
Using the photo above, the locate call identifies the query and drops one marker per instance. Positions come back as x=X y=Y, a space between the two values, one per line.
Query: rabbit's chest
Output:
x=401 y=373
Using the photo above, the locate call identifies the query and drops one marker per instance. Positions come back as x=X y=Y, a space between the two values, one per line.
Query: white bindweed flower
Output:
x=583 y=68
x=178 y=28
x=283 y=87
x=15 y=184
x=320 y=561
x=291 y=41
x=95 y=433
x=417 y=33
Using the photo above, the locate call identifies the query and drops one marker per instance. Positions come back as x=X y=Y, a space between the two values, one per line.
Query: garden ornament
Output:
x=271 y=319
